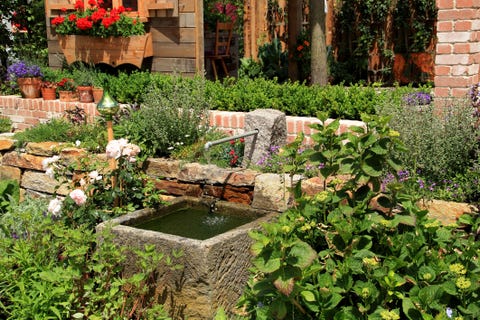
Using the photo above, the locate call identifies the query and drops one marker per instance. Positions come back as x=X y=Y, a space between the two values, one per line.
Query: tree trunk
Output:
x=319 y=67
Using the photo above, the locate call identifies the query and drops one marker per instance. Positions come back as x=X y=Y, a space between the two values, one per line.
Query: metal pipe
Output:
x=227 y=139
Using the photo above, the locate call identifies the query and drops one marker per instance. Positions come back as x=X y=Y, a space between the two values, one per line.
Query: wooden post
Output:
x=294 y=28
x=112 y=162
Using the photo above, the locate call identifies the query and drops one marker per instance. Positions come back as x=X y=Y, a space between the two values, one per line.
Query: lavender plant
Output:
x=417 y=99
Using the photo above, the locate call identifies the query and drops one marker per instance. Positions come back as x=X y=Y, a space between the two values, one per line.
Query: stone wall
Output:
x=26 y=113
x=176 y=178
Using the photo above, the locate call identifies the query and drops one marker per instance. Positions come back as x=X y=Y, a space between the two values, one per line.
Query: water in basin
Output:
x=195 y=222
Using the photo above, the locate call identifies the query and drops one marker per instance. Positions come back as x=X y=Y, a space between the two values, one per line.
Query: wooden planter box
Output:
x=113 y=50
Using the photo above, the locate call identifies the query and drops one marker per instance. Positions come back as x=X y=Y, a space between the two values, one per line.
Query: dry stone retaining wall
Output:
x=174 y=177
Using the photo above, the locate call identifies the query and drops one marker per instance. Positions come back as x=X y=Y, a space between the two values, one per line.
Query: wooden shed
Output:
x=176 y=31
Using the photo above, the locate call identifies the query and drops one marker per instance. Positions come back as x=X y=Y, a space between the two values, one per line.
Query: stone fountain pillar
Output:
x=272 y=131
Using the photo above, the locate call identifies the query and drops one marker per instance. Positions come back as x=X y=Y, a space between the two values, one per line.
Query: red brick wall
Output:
x=27 y=112
x=457 y=58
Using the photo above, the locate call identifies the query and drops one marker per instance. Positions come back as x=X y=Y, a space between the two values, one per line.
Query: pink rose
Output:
x=78 y=196
x=115 y=147
x=55 y=207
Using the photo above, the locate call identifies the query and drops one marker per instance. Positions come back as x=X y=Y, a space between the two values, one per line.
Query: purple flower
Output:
x=421 y=184
x=417 y=98
x=449 y=312
x=23 y=70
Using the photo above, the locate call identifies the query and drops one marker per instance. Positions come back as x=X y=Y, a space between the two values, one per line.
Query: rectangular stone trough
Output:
x=215 y=270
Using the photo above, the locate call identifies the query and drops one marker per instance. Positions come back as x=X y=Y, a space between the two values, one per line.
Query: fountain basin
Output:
x=215 y=270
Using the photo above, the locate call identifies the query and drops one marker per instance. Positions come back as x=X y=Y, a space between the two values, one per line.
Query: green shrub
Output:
x=91 y=136
x=9 y=194
x=129 y=88
x=334 y=256
x=441 y=140
x=219 y=155
x=5 y=124
x=49 y=271
x=339 y=101
x=169 y=118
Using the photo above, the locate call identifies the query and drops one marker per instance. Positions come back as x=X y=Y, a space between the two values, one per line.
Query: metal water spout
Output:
x=210 y=144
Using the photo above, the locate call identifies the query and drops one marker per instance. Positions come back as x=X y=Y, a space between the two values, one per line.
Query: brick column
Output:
x=458 y=47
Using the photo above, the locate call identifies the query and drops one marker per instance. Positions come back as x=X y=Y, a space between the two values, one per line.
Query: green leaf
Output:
x=221 y=315
x=372 y=166
x=381 y=147
x=405 y=220
x=308 y=296
x=303 y=253
x=410 y=310
x=430 y=294
x=266 y=263
x=395 y=164
x=332 y=301
x=257 y=248
x=357 y=129
x=279 y=309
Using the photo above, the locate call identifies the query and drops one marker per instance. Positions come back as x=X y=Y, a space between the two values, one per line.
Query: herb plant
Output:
x=50 y=271
x=172 y=116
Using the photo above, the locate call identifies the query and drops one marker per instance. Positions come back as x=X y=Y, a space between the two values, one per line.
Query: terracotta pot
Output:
x=68 y=96
x=30 y=87
x=49 y=93
x=85 y=94
x=97 y=94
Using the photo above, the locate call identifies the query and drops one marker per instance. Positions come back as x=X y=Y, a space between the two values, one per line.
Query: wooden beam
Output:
x=161 y=6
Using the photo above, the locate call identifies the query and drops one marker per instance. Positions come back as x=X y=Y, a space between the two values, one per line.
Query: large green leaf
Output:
x=279 y=309
x=268 y=262
x=372 y=166
x=409 y=309
x=303 y=254
x=381 y=147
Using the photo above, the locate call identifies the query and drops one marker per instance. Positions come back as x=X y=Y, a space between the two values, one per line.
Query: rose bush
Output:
x=99 y=192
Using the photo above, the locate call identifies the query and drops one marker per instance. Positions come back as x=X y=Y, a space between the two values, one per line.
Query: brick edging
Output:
x=26 y=113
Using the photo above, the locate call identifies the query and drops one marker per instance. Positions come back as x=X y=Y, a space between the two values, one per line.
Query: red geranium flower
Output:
x=98 y=15
x=57 y=20
x=92 y=3
x=72 y=17
x=84 y=24
x=107 y=22
x=79 y=5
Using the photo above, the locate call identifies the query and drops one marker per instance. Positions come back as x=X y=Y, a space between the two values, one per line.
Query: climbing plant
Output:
x=367 y=34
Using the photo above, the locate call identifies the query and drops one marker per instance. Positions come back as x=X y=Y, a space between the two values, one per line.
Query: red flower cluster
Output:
x=236 y=151
x=98 y=21
x=66 y=84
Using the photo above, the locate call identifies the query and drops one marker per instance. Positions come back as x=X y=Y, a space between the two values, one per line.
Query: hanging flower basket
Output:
x=112 y=50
